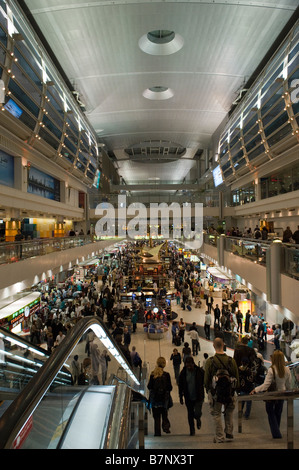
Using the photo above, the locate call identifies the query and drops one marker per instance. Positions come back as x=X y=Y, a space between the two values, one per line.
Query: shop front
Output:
x=17 y=316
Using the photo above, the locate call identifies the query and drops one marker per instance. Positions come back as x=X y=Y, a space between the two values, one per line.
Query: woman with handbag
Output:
x=278 y=378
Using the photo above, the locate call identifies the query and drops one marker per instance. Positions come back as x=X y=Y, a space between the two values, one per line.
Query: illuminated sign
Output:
x=217 y=176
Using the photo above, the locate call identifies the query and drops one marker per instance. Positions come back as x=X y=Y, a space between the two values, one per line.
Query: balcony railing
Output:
x=256 y=251
x=11 y=252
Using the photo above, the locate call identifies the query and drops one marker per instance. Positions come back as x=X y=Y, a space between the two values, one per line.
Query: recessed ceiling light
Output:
x=158 y=93
x=161 y=42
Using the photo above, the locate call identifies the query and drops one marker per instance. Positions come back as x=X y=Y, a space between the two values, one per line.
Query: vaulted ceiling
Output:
x=173 y=87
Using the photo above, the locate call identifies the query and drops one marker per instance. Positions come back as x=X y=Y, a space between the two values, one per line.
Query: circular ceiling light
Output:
x=161 y=42
x=158 y=93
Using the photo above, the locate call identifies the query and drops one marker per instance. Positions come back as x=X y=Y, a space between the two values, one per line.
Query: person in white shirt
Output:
x=207 y=325
x=195 y=341
x=279 y=374
x=59 y=338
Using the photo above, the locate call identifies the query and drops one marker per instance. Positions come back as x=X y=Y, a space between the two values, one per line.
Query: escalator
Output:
x=19 y=362
x=48 y=412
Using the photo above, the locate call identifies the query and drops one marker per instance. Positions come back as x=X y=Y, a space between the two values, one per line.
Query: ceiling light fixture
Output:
x=158 y=93
x=161 y=42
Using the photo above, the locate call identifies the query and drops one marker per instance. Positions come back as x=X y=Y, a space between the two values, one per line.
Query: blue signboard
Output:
x=13 y=108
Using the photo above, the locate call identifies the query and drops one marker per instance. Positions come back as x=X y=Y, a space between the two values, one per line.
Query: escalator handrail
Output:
x=17 y=414
x=26 y=343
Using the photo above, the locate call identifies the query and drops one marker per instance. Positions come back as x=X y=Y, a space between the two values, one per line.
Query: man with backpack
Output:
x=221 y=381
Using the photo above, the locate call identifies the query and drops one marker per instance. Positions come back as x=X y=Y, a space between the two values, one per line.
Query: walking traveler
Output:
x=176 y=361
x=195 y=341
x=217 y=314
x=207 y=325
x=278 y=378
x=221 y=380
x=160 y=387
x=191 y=387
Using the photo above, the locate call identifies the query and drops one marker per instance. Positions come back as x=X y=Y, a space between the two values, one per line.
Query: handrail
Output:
x=23 y=406
x=288 y=395
x=18 y=340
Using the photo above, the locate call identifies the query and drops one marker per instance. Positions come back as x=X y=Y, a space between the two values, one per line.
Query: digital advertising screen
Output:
x=217 y=176
x=13 y=108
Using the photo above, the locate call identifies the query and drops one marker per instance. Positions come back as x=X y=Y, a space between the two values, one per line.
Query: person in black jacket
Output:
x=191 y=387
x=160 y=387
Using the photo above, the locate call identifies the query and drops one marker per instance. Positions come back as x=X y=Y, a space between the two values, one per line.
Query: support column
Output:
x=274 y=263
x=220 y=249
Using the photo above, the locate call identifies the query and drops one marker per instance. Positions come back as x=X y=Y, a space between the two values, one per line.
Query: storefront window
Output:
x=280 y=183
x=243 y=195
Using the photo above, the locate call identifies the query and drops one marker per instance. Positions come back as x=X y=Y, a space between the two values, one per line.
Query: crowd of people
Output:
x=221 y=377
x=258 y=233
x=244 y=373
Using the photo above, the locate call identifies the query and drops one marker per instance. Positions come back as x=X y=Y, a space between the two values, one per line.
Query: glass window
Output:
x=23 y=98
x=92 y=169
x=72 y=127
x=238 y=156
x=239 y=164
x=253 y=143
x=234 y=138
x=281 y=134
x=250 y=124
x=292 y=66
x=82 y=158
x=294 y=52
x=226 y=166
x=255 y=153
x=54 y=115
x=48 y=138
x=27 y=84
x=3 y=35
x=295 y=178
x=27 y=68
x=276 y=124
x=55 y=100
x=35 y=68
x=274 y=112
x=271 y=101
x=3 y=20
x=27 y=120
x=236 y=150
x=228 y=172
x=49 y=124
x=90 y=175
x=80 y=166
x=70 y=146
x=68 y=156
x=270 y=84
x=2 y=54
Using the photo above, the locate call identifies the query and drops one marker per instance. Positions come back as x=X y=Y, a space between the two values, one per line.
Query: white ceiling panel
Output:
x=96 y=43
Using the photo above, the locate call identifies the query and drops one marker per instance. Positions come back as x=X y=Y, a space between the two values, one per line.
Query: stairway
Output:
x=255 y=433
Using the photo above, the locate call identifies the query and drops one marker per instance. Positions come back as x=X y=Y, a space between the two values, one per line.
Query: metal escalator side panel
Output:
x=87 y=426
x=119 y=423
x=16 y=416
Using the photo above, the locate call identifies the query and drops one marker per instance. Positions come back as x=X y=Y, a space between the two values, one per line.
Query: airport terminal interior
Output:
x=149 y=225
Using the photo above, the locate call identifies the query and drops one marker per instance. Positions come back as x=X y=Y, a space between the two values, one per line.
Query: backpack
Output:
x=223 y=382
x=159 y=389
